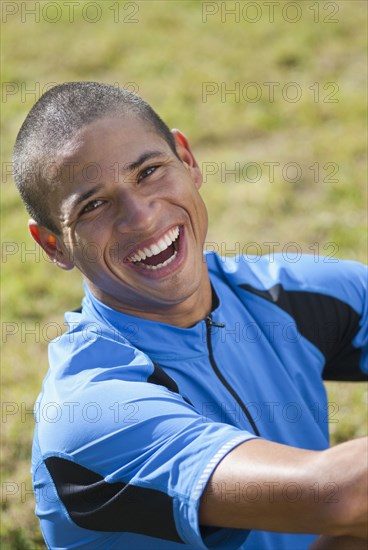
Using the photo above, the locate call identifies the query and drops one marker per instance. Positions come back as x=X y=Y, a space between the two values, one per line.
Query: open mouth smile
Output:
x=159 y=254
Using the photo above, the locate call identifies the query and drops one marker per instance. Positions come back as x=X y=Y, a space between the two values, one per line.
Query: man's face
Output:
x=131 y=216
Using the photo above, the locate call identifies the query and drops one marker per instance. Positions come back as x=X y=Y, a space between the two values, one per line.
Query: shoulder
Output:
x=92 y=368
x=344 y=280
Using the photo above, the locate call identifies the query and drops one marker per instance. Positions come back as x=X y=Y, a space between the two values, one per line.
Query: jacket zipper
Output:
x=209 y=324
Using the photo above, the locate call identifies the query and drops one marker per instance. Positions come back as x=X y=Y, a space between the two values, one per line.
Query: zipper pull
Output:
x=211 y=323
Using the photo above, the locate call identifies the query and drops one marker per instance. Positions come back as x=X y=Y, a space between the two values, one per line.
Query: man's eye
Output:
x=147 y=172
x=92 y=206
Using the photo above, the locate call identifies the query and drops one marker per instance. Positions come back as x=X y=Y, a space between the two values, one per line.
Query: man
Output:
x=186 y=398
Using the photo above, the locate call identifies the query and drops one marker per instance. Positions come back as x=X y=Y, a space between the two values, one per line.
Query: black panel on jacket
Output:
x=94 y=504
x=161 y=378
x=328 y=323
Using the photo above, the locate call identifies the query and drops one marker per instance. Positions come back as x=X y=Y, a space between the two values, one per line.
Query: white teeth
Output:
x=147 y=252
x=174 y=234
x=158 y=266
x=156 y=248
x=162 y=245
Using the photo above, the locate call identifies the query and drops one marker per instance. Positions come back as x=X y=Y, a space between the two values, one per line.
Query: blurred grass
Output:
x=168 y=56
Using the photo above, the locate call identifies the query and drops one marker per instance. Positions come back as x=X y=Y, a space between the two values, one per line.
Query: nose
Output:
x=136 y=212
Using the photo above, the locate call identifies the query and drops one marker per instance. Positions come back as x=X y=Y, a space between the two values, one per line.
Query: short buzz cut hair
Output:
x=54 y=120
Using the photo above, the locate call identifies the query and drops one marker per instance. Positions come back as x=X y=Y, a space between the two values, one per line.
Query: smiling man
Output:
x=187 y=385
x=142 y=212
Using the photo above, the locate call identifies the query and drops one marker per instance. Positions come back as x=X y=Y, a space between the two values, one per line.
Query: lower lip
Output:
x=169 y=269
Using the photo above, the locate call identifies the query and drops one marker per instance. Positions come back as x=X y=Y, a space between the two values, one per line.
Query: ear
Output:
x=51 y=244
x=185 y=154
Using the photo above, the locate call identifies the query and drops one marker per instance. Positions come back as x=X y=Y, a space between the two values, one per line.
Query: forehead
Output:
x=117 y=138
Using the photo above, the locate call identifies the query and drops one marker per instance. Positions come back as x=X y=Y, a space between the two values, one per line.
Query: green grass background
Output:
x=167 y=55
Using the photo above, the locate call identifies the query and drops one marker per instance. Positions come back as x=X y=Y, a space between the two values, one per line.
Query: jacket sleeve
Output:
x=328 y=302
x=332 y=311
x=136 y=458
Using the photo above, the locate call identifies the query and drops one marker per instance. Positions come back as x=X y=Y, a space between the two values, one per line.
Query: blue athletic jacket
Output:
x=135 y=415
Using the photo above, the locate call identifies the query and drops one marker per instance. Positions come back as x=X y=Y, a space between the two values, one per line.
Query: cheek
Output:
x=87 y=252
x=90 y=229
x=201 y=212
x=116 y=252
x=93 y=233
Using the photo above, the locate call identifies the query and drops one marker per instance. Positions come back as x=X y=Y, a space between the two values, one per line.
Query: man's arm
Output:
x=272 y=487
x=339 y=543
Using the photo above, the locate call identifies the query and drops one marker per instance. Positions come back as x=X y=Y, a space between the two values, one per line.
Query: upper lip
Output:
x=146 y=248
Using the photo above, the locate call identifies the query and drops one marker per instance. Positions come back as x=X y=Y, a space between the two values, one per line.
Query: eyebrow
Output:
x=147 y=155
x=84 y=196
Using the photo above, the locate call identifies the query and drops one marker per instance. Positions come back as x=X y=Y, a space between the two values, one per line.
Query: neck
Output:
x=182 y=314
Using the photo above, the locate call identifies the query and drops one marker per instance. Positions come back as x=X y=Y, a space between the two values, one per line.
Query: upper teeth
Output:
x=155 y=248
